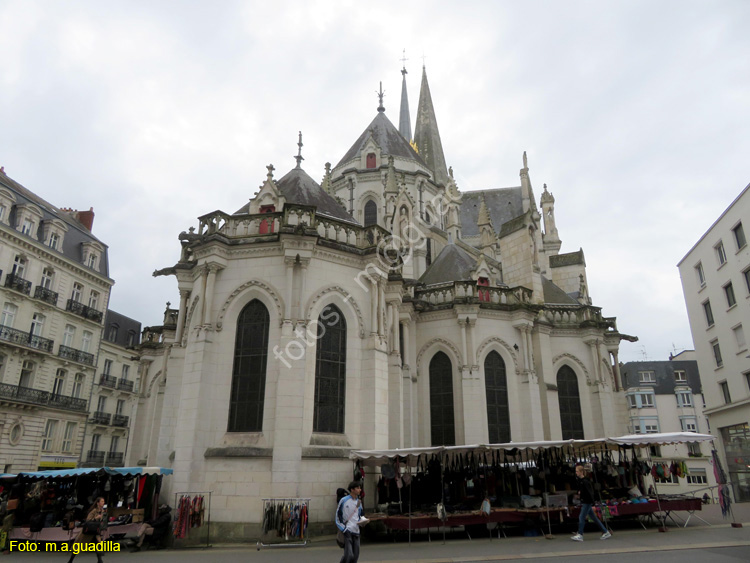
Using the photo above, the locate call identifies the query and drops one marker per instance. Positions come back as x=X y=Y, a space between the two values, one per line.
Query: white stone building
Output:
x=716 y=282
x=666 y=396
x=114 y=399
x=55 y=286
x=382 y=308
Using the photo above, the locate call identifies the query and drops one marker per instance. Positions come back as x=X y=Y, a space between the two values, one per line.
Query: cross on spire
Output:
x=299 y=156
x=423 y=59
x=381 y=94
x=403 y=62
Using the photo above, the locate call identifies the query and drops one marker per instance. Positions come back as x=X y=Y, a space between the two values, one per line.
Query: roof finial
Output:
x=299 y=156
x=403 y=62
x=269 y=175
x=381 y=94
x=525 y=160
x=423 y=59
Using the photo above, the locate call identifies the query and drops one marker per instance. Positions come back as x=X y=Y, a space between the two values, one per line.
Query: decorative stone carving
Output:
x=347 y=297
x=252 y=283
x=495 y=339
x=574 y=360
x=447 y=343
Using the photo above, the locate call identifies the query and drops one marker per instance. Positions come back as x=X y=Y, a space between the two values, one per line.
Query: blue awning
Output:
x=126 y=471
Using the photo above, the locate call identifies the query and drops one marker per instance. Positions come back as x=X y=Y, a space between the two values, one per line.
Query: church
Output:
x=380 y=308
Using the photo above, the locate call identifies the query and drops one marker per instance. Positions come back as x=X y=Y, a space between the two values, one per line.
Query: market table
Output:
x=113 y=532
x=501 y=515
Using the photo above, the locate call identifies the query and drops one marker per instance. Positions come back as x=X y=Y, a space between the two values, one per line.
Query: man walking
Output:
x=348 y=513
x=586 y=493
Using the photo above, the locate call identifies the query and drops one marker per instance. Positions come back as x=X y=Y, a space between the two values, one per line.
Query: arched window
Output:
x=442 y=424
x=371 y=213
x=496 y=387
x=371 y=160
x=249 y=370
x=428 y=252
x=266 y=226
x=330 y=372
x=571 y=421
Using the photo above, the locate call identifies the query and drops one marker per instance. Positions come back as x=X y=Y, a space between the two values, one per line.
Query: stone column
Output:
x=374 y=306
x=213 y=269
x=287 y=328
x=184 y=296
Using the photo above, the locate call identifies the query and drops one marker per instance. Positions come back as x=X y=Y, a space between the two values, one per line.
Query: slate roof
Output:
x=124 y=326
x=664 y=375
x=75 y=235
x=298 y=187
x=427 y=135
x=390 y=141
x=503 y=204
x=452 y=264
x=553 y=294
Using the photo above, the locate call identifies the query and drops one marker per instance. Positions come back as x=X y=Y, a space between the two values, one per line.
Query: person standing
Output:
x=586 y=494
x=96 y=514
x=348 y=514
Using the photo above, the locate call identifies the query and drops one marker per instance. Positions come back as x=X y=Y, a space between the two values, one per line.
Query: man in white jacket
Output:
x=348 y=513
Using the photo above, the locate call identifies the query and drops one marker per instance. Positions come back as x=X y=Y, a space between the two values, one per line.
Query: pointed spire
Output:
x=484 y=214
x=299 y=156
x=404 y=121
x=427 y=136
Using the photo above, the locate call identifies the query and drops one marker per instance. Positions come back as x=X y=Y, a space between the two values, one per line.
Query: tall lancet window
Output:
x=249 y=370
x=371 y=213
x=496 y=388
x=442 y=424
x=330 y=372
x=571 y=421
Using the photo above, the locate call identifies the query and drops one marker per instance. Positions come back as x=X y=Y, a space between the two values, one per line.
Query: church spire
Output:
x=404 y=121
x=427 y=136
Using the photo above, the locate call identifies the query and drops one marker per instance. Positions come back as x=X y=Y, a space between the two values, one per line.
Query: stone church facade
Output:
x=381 y=308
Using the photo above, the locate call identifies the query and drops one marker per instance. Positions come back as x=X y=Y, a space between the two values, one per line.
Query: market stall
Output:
x=526 y=482
x=42 y=500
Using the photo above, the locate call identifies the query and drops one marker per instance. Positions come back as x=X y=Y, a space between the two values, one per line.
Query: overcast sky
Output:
x=635 y=115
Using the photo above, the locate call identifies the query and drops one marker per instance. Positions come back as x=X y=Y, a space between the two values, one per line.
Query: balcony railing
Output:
x=95 y=456
x=106 y=380
x=120 y=420
x=125 y=385
x=100 y=417
x=84 y=311
x=16 y=282
x=46 y=295
x=26 y=339
x=76 y=355
x=41 y=398
x=115 y=459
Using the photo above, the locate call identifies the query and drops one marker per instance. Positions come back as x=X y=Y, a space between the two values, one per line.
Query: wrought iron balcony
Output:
x=68 y=403
x=26 y=339
x=106 y=380
x=120 y=420
x=95 y=456
x=100 y=417
x=42 y=398
x=115 y=459
x=16 y=282
x=125 y=385
x=76 y=355
x=44 y=344
x=84 y=311
x=46 y=295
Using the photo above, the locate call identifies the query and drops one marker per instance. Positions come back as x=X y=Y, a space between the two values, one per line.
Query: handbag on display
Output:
x=91 y=527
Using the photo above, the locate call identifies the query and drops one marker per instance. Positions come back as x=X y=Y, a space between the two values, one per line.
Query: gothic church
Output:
x=381 y=308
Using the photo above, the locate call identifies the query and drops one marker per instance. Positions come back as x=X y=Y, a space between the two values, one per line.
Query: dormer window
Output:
x=371 y=160
x=484 y=295
x=266 y=226
x=7 y=199
x=54 y=231
x=28 y=218
x=27 y=226
x=91 y=254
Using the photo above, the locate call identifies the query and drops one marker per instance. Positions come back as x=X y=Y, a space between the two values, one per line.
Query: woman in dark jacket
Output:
x=95 y=514
x=586 y=494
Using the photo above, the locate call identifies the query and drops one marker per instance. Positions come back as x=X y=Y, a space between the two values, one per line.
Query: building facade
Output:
x=667 y=397
x=715 y=278
x=114 y=399
x=55 y=287
x=381 y=308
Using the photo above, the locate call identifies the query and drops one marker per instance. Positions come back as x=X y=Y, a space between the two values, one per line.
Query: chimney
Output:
x=86 y=218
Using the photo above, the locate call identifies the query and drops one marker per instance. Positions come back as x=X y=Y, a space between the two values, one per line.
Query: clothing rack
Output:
x=208 y=510
x=299 y=516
